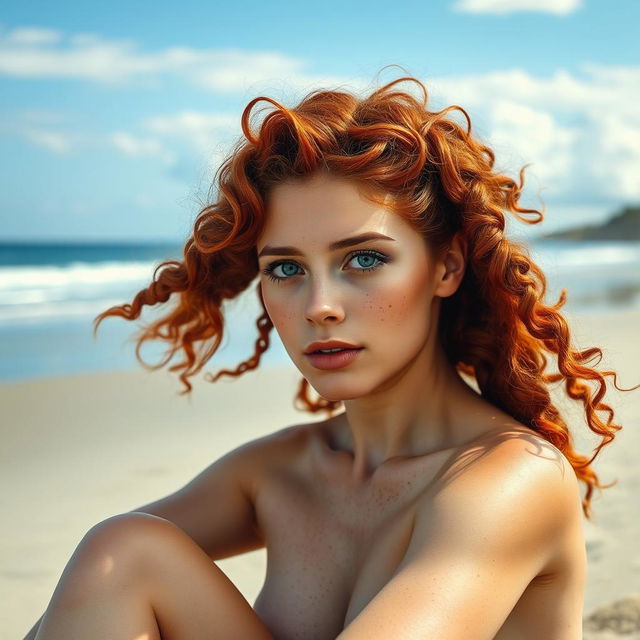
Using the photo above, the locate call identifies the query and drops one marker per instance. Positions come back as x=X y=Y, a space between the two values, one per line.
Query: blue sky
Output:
x=114 y=116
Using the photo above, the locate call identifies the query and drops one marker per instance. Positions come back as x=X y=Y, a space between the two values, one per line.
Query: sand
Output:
x=76 y=450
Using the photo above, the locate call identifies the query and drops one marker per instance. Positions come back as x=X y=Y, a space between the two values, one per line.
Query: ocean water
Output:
x=50 y=293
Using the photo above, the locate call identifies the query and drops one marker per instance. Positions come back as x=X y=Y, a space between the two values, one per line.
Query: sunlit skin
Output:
x=400 y=392
x=409 y=416
x=401 y=517
x=136 y=576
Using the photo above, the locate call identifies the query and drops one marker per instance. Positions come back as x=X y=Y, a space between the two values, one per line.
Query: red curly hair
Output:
x=496 y=328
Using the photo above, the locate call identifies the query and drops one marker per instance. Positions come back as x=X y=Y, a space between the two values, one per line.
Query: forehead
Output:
x=322 y=209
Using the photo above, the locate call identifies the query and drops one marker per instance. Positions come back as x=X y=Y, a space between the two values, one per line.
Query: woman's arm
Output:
x=216 y=508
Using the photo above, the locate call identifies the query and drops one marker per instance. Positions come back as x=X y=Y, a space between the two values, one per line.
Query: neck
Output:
x=426 y=408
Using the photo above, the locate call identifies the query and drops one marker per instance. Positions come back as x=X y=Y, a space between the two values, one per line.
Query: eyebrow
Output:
x=338 y=244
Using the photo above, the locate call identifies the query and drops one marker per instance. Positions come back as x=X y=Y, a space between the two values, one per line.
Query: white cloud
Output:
x=198 y=129
x=51 y=140
x=561 y=91
x=132 y=146
x=141 y=147
x=502 y=7
x=237 y=70
x=25 y=36
x=613 y=163
x=537 y=138
x=580 y=132
x=199 y=140
x=39 y=53
x=88 y=58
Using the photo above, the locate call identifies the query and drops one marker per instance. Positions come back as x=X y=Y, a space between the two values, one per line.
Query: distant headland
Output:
x=624 y=225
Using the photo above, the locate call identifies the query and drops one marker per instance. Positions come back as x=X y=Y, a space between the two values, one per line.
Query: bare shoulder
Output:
x=511 y=486
x=508 y=454
x=285 y=440
x=492 y=528
x=278 y=451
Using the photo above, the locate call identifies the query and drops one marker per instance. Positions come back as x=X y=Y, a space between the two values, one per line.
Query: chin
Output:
x=339 y=390
x=339 y=397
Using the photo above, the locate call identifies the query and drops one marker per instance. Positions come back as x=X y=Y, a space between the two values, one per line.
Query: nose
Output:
x=323 y=304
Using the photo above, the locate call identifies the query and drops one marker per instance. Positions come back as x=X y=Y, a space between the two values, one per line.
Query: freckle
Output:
x=390 y=306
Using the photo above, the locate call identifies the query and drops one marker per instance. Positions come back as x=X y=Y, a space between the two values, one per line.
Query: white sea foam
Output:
x=76 y=273
x=50 y=292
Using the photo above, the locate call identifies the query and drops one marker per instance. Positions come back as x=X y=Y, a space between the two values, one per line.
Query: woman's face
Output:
x=377 y=294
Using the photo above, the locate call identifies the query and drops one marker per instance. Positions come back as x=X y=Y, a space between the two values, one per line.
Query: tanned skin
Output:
x=421 y=511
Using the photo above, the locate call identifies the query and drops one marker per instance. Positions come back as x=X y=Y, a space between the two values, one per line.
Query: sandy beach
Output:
x=76 y=450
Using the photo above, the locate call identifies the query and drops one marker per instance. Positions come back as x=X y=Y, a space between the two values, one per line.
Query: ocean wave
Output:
x=77 y=273
x=50 y=312
x=54 y=292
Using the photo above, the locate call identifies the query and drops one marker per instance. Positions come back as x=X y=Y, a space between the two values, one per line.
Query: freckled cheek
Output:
x=281 y=312
x=397 y=304
x=285 y=316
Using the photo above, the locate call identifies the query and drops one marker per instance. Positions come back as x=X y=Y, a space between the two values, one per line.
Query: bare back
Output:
x=331 y=548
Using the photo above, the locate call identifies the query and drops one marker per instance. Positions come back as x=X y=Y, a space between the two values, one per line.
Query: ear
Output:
x=451 y=267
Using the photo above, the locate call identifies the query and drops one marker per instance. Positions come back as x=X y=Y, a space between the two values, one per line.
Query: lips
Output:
x=335 y=360
x=329 y=344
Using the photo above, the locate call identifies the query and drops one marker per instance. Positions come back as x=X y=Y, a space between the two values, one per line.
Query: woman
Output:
x=427 y=508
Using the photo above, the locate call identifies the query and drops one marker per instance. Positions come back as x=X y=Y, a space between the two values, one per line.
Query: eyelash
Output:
x=382 y=259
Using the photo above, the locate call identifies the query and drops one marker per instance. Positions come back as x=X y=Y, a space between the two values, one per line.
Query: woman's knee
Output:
x=116 y=550
x=128 y=532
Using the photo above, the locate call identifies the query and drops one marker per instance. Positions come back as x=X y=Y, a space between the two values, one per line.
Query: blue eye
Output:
x=367 y=260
